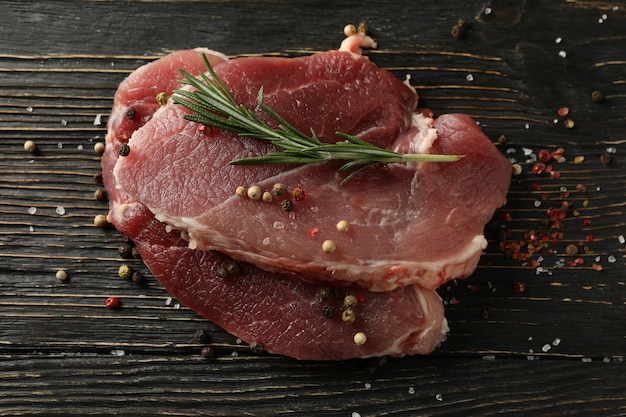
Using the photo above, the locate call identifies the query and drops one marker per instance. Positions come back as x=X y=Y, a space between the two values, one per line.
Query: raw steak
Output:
x=283 y=314
x=412 y=223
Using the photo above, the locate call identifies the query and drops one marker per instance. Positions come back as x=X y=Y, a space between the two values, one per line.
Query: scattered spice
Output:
x=200 y=336
x=458 y=30
x=125 y=252
x=571 y=250
x=30 y=146
x=240 y=191
x=328 y=311
x=597 y=96
x=124 y=149
x=323 y=293
x=343 y=226
x=350 y=300
x=563 y=111
x=544 y=155
x=279 y=189
x=329 y=246
x=131 y=113
x=299 y=193
x=100 y=194
x=360 y=338
x=362 y=28
x=162 y=98
x=267 y=197
x=519 y=287
x=100 y=220
x=517 y=169
x=605 y=158
x=97 y=178
x=125 y=271
x=286 y=205
x=98 y=147
x=348 y=316
x=569 y=123
x=135 y=252
x=222 y=272
x=137 y=277
x=349 y=30
x=581 y=188
x=61 y=275
x=207 y=352
x=254 y=192
x=233 y=267
x=112 y=302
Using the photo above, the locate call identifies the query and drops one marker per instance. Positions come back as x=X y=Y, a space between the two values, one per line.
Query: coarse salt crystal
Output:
x=621 y=239
x=605 y=16
x=279 y=225
x=32 y=210
x=562 y=54
x=615 y=8
x=555 y=121
x=511 y=150
x=586 y=360
x=80 y=147
x=60 y=210
x=597 y=259
x=266 y=241
x=488 y=10
x=527 y=151
x=439 y=397
x=527 y=126
x=611 y=259
x=489 y=357
x=411 y=390
x=546 y=347
x=558 y=40
x=118 y=352
x=355 y=414
x=31 y=228
x=98 y=120
x=29 y=109
x=556 y=342
x=368 y=385
x=168 y=301
x=60 y=145
x=469 y=77
x=63 y=122
x=234 y=354
x=537 y=203
x=611 y=149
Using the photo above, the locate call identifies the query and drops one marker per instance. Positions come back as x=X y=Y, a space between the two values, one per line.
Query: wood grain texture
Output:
x=555 y=349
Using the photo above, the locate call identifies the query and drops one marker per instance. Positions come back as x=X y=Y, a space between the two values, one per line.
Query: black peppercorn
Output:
x=605 y=158
x=328 y=311
x=124 y=149
x=207 y=352
x=125 y=251
x=137 y=277
x=131 y=113
x=597 y=96
x=287 y=205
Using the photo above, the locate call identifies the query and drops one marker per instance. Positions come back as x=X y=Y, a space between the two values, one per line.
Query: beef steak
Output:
x=285 y=315
x=410 y=223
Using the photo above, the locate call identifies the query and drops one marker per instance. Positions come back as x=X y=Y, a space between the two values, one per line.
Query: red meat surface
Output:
x=279 y=311
x=411 y=223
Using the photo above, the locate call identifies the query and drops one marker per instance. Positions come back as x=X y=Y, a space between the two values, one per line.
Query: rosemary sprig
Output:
x=212 y=104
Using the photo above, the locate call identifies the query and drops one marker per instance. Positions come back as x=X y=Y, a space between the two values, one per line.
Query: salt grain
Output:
x=60 y=210
x=556 y=342
x=63 y=122
x=527 y=151
x=488 y=10
x=526 y=126
x=98 y=120
x=489 y=357
x=80 y=147
x=611 y=149
x=266 y=241
x=411 y=390
x=368 y=385
x=558 y=40
x=621 y=239
x=355 y=414
x=562 y=54
x=29 y=109
x=60 y=145
x=469 y=77
x=546 y=348
x=279 y=225
x=234 y=354
x=168 y=301
x=439 y=397
x=615 y=8
x=118 y=352
x=32 y=210
x=611 y=259
x=31 y=228
x=586 y=360
x=537 y=203
x=555 y=121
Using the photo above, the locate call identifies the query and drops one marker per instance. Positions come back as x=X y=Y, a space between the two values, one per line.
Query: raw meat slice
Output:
x=285 y=315
x=413 y=223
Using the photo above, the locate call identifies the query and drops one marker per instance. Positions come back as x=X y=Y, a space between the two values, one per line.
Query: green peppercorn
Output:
x=125 y=271
x=350 y=300
x=348 y=316
x=137 y=277
x=162 y=98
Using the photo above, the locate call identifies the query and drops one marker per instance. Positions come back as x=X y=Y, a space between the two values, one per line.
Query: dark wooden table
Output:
x=543 y=336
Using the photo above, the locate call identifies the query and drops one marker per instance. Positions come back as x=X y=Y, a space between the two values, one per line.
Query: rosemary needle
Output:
x=212 y=104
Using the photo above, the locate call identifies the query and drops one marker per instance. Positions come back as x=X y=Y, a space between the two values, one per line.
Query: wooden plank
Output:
x=510 y=351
